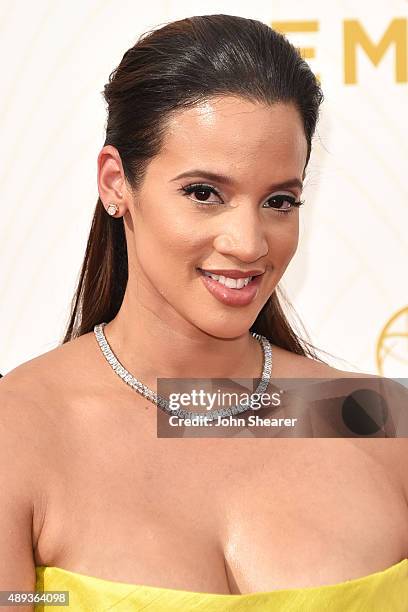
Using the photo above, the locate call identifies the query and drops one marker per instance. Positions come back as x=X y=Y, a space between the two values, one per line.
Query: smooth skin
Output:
x=87 y=485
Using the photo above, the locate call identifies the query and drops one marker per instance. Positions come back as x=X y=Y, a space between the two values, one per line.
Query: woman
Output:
x=210 y=123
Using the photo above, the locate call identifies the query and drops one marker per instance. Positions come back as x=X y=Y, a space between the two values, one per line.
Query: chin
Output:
x=227 y=330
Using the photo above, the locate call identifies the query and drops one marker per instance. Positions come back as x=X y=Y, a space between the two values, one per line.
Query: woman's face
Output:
x=181 y=225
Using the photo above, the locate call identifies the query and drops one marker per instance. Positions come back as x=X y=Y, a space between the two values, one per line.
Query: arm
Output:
x=17 y=494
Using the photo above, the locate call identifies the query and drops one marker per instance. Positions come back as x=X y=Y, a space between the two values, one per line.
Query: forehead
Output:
x=234 y=133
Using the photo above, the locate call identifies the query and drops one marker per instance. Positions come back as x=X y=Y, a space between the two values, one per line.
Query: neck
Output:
x=150 y=346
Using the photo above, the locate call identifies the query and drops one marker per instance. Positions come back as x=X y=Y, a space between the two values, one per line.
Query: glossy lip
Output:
x=233 y=273
x=232 y=297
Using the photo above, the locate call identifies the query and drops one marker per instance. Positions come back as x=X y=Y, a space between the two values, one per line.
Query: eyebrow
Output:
x=227 y=180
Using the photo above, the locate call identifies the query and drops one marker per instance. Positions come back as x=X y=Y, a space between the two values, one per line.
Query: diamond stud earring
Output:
x=112 y=209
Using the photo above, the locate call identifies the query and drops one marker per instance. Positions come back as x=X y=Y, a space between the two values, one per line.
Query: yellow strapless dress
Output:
x=384 y=591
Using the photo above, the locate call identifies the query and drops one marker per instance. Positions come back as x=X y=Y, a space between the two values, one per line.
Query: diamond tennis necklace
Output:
x=162 y=403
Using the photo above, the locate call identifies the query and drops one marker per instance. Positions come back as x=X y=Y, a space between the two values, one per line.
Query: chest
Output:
x=222 y=515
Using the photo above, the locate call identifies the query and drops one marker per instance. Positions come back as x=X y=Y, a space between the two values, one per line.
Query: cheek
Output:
x=164 y=240
x=283 y=238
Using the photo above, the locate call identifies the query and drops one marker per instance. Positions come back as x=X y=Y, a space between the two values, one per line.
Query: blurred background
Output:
x=348 y=279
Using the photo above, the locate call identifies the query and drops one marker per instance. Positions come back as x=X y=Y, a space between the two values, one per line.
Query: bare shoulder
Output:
x=391 y=453
x=33 y=395
x=50 y=372
x=287 y=364
x=47 y=394
x=34 y=388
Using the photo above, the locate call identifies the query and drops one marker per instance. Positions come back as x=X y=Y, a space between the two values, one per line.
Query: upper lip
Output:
x=234 y=273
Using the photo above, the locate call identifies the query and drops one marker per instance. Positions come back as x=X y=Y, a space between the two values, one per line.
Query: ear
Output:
x=112 y=187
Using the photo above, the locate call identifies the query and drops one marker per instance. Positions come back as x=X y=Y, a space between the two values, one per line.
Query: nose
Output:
x=242 y=235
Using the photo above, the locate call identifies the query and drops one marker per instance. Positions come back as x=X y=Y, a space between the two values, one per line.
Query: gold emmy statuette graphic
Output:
x=392 y=346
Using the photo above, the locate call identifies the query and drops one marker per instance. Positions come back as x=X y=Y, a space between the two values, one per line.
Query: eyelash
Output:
x=188 y=189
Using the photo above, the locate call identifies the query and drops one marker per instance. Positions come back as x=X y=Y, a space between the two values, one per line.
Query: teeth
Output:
x=232 y=283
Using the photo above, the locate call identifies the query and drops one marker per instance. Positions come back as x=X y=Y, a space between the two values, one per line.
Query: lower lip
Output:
x=232 y=297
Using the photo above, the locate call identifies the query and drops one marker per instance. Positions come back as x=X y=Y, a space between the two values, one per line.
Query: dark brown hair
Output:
x=169 y=69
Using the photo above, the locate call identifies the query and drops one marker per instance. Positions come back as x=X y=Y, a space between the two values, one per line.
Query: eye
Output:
x=202 y=193
x=284 y=203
